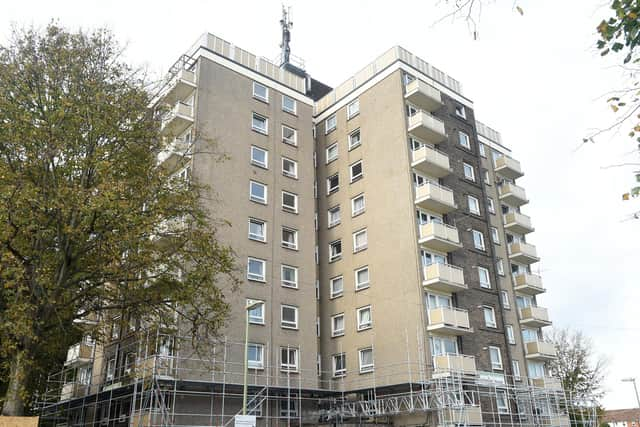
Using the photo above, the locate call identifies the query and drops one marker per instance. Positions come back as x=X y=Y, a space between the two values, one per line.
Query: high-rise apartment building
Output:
x=386 y=259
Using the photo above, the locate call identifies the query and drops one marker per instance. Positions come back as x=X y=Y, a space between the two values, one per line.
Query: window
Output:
x=289 y=202
x=260 y=92
x=469 y=172
x=289 y=168
x=289 y=359
x=259 y=157
x=357 y=205
x=502 y=402
x=333 y=216
x=111 y=369
x=481 y=149
x=360 y=240
x=336 y=286
x=490 y=206
x=289 y=407
x=366 y=360
x=339 y=365
x=256 y=269
x=115 y=327
x=474 y=205
x=496 y=357
x=332 y=152
x=256 y=313
x=354 y=139
x=489 y=316
x=289 y=135
x=505 y=299
x=362 y=278
x=356 y=171
x=536 y=369
x=485 y=281
x=511 y=338
x=478 y=240
x=364 y=318
x=330 y=124
x=411 y=110
x=289 y=238
x=515 y=365
x=258 y=192
x=289 y=317
x=333 y=184
x=353 y=109
x=495 y=236
x=255 y=356
x=257 y=230
x=461 y=112
x=463 y=139
x=289 y=276
x=129 y=363
x=260 y=123
x=337 y=325
x=487 y=178
x=500 y=267
x=335 y=250
x=289 y=104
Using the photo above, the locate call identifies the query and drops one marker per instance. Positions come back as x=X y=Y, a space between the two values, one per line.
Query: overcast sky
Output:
x=536 y=78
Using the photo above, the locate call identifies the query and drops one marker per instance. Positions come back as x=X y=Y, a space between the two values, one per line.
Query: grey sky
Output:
x=536 y=78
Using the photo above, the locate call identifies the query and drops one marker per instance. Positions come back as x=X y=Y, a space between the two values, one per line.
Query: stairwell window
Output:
x=337 y=325
x=481 y=149
x=260 y=123
x=496 y=357
x=511 y=338
x=335 y=250
x=257 y=230
x=489 y=316
x=288 y=359
x=289 y=202
x=516 y=370
x=289 y=276
x=259 y=157
x=353 y=109
x=363 y=315
x=289 y=135
x=289 y=104
x=260 y=92
x=289 y=238
x=505 y=299
x=366 y=360
x=463 y=139
x=491 y=207
x=336 y=287
x=356 y=171
x=357 y=205
x=256 y=313
x=483 y=275
x=495 y=236
x=360 y=240
x=474 y=205
x=362 y=278
x=333 y=184
x=469 y=171
x=333 y=216
x=256 y=269
x=289 y=168
x=330 y=124
x=289 y=317
x=478 y=240
x=339 y=365
x=354 y=139
x=332 y=152
x=255 y=356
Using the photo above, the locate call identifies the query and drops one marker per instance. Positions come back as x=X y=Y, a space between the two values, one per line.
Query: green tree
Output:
x=90 y=222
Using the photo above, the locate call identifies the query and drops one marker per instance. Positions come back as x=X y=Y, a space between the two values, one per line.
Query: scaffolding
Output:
x=155 y=380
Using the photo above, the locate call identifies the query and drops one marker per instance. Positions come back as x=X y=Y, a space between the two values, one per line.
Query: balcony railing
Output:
x=180 y=87
x=443 y=277
x=177 y=120
x=458 y=363
x=512 y=194
x=517 y=223
x=540 y=350
x=430 y=161
x=508 y=167
x=423 y=95
x=435 y=197
x=530 y=284
x=439 y=237
x=426 y=127
x=536 y=317
x=79 y=353
x=523 y=253
x=449 y=320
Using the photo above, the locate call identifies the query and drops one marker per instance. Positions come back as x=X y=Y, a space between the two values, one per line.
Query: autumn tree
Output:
x=90 y=222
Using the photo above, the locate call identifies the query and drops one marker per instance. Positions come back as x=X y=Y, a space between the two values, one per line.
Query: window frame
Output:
x=368 y=367
x=328 y=150
x=287 y=283
x=481 y=150
x=495 y=235
x=500 y=267
x=288 y=208
x=488 y=309
x=285 y=172
x=259 y=97
x=286 y=324
x=504 y=295
x=511 y=337
x=350 y=139
x=464 y=140
x=264 y=230
x=480 y=234
x=330 y=124
x=258 y=163
x=466 y=166
x=264 y=131
x=351 y=114
x=477 y=204
x=461 y=111
x=339 y=372
x=331 y=210
x=335 y=189
x=362 y=231
x=339 y=255
x=354 y=178
x=337 y=332
x=364 y=326
x=285 y=243
x=364 y=285
x=293 y=142
x=257 y=364
x=487 y=284
x=515 y=367
x=264 y=270
x=332 y=293
x=355 y=213
x=502 y=409
x=289 y=367
x=497 y=366
x=260 y=320
x=255 y=198
x=293 y=111
x=491 y=207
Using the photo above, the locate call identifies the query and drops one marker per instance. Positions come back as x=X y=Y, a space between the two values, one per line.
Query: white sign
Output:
x=245 y=421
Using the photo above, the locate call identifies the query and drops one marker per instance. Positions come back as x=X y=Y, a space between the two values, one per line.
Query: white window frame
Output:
x=334 y=189
x=285 y=172
x=338 y=255
x=484 y=284
x=337 y=332
x=489 y=322
x=502 y=404
x=353 y=145
x=343 y=370
x=364 y=326
x=461 y=111
x=511 y=337
x=330 y=124
x=356 y=234
x=111 y=369
x=364 y=368
x=480 y=245
x=515 y=367
x=290 y=141
x=332 y=291
x=256 y=237
x=288 y=283
x=362 y=285
x=471 y=201
x=486 y=176
x=497 y=365
x=287 y=208
x=467 y=167
x=285 y=243
x=286 y=324
x=253 y=277
x=481 y=149
x=505 y=299
x=257 y=363
x=257 y=199
x=265 y=164
x=350 y=106
x=464 y=139
x=256 y=320
x=353 y=205
x=491 y=207
x=293 y=110
x=329 y=149
x=288 y=366
x=500 y=267
x=265 y=97
x=335 y=222
x=353 y=177
x=264 y=131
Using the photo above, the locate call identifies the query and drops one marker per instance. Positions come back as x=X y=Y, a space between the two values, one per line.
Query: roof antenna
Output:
x=286 y=25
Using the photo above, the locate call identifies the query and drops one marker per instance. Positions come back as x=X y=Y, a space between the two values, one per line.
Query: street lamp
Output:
x=250 y=305
x=635 y=388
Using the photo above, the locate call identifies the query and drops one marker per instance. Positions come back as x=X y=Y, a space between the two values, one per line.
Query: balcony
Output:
x=461 y=416
x=458 y=363
x=530 y=284
x=73 y=390
x=449 y=321
x=517 y=223
x=512 y=194
x=424 y=126
x=439 y=237
x=508 y=167
x=423 y=95
x=444 y=278
x=523 y=253
x=548 y=383
x=180 y=87
x=430 y=161
x=177 y=120
x=434 y=197
x=79 y=354
x=540 y=350
x=535 y=317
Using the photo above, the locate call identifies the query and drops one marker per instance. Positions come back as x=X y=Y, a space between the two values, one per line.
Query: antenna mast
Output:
x=286 y=25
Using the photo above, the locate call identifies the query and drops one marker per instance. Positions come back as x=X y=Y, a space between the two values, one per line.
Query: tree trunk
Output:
x=14 y=399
